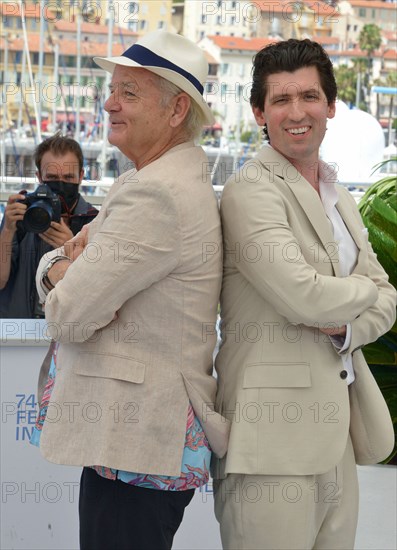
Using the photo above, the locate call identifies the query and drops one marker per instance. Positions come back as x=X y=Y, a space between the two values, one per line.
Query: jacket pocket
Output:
x=277 y=375
x=105 y=365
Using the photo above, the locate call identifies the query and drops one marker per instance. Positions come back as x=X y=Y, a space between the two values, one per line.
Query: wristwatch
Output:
x=46 y=284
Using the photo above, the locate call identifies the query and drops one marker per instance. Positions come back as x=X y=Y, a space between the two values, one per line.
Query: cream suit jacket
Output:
x=124 y=383
x=280 y=380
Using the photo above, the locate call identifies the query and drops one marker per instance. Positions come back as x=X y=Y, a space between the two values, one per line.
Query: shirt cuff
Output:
x=42 y=290
x=342 y=343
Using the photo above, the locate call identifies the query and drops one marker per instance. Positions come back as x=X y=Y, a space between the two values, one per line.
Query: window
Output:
x=133 y=7
x=161 y=25
x=35 y=58
x=362 y=12
x=143 y=25
x=213 y=69
x=88 y=63
x=225 y=68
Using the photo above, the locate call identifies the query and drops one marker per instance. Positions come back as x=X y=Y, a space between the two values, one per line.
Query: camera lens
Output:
x=38 y=217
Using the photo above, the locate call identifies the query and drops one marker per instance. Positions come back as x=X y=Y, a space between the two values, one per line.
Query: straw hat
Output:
x=171 y=56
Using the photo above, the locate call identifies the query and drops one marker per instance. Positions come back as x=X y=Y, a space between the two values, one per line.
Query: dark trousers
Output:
x=118 y=516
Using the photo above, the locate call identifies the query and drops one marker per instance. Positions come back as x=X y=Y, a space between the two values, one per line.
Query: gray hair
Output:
x=195 y=118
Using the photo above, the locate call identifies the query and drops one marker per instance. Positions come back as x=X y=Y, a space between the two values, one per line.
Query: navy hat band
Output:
x=146 y=57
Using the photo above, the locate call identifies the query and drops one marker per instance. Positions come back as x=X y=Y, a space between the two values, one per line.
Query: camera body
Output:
x=43 y=207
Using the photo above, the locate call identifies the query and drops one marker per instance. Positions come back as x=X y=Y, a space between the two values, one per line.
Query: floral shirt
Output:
x=195 y=460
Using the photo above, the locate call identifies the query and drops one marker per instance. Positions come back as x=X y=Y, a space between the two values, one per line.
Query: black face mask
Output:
x=69 y=192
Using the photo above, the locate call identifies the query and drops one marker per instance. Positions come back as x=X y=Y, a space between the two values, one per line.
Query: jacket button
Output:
x=343 y=374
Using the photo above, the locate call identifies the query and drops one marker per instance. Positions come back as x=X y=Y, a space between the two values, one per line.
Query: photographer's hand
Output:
x=14 y=212
x=57 y=234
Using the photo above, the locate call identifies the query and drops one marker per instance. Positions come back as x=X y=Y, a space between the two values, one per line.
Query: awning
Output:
x=384 y=90
x=68 y=117
x=215 y=126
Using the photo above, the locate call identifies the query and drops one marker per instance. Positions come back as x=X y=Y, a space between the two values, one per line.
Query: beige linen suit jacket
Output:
x=123 y=384
x=280 y=380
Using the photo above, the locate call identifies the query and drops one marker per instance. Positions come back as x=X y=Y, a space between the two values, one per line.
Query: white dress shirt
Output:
x=347 y=252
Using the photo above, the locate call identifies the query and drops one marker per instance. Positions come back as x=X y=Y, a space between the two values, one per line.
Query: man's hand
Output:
x=57 y=272
x=334 y=331
x=74 y=247
x=14 y=212
x=57 y=234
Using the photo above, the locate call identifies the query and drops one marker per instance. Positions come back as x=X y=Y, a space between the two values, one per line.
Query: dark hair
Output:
x=58 y=145
x=291 y=55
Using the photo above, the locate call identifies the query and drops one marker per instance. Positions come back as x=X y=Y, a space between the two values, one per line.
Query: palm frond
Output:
x=378 y=208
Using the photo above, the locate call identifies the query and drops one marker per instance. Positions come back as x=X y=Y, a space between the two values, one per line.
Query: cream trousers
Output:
x=266 y=512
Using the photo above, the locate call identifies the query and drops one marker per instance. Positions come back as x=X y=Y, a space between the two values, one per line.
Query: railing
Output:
x=96 y=190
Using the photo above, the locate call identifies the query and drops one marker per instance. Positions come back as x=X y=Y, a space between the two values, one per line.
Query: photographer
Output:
x=59 y=162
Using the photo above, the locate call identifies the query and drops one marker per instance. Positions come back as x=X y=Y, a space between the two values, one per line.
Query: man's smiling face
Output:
x=295 y=111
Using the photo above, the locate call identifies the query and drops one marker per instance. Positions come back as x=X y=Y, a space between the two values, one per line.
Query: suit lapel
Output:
x=306 y=196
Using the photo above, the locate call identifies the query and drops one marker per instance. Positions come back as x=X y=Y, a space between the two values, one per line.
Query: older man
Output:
x=128 y=303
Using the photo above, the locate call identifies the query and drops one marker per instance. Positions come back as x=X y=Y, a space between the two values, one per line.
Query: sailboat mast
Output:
x=56 y=68
x=22 y=102
x=78 y=76
x=105 y=119
x=4 y=114
x=32 y=82
x=40 y=73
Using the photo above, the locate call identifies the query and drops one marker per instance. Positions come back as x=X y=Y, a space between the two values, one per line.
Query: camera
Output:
x=43 y=207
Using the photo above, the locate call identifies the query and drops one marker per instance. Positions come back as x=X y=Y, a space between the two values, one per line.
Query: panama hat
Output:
x=171 y=56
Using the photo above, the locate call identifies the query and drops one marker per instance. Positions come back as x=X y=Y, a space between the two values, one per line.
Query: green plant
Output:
x=247 y=136
x=378 y=208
